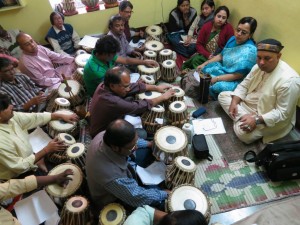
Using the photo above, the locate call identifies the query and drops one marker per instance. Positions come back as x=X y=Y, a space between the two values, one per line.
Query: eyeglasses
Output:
x=128 y=12
x=243 y=32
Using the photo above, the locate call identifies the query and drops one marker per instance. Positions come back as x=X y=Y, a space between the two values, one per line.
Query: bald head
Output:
x=26 y=43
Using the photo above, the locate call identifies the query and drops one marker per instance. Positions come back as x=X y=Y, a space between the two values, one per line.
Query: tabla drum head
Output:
x=166 y=52
x=148 y=70
x=82 y=59
x=154 y=30
x=112 y=214
x=154 y=45
x=62 y=102
x=76 y=204
x=149 y=95
x=150 y=53
x=80 y=70
x=60 y=125
x=185 y=164
x=66 y=138
x=64 y=92
x=178 y=91
x=148 y=79
x=75 y=150
x=158 y=108
x=170 y=139
x=169 y=63
x=177 y=107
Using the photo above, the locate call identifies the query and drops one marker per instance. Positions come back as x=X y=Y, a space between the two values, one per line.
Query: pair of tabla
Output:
x=73 y=91
x=112 y=214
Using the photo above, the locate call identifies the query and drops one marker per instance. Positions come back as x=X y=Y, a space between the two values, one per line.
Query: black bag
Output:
x=281 y=160
x=200 y=147
x=205 y=80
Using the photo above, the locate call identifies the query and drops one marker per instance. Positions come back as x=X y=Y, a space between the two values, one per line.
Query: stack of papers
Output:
x=153 y=174
x=88 y=41
x=209 y=126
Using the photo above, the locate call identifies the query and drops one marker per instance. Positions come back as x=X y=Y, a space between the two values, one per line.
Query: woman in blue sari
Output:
x=229 y=68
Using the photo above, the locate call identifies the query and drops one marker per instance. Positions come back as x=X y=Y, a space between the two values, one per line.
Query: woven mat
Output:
x=236 y=185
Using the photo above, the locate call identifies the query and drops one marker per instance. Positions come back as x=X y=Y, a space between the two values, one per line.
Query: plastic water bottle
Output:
x=189 y=130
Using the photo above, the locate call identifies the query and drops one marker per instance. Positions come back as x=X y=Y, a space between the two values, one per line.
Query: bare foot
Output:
x=41 y=165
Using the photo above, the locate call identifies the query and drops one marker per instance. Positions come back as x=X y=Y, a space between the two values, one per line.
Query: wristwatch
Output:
x=257 y=120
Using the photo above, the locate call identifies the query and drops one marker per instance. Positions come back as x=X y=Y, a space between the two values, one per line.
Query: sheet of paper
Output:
x=137 y=44
x=153 y=174
x=134 y=120
x=189 y=102
x=88 y=41
x=38 y=139
x=134 y=77
x=196 y=75
x=53 y=220
x=35 y=209
x=209 y=126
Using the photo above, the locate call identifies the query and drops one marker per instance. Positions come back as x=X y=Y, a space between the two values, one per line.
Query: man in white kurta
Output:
x=264 y=104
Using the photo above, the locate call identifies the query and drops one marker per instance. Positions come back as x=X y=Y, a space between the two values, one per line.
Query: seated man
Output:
x=110 y=177
x=38 y=63
x=16 y=155
x=125 y=11
x=14 y=187
x=116 y=29
x=264 y=104
x=8 y=43
x=62 y=37
x=104 y=57
x=109 y=101
x=25 y=96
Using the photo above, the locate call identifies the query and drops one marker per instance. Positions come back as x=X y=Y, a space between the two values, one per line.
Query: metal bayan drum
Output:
x=148 y=95
x=182 y=171
x=59 y=126
x=147 y=79
x=153 y=120
x=60 y=156
x=155 y=46
x=112 y=214
x=154 y=71
x=154 y=32
x=169 y=142
x=77 y=154
x=82 y=59
x=148 y=54
x=177 y=114
x=55 y=190
x=168 y=71
x=75 y=211
x=73 y=91
x=189 y=197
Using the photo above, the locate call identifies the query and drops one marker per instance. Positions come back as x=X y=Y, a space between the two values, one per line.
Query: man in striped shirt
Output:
x=25 y=96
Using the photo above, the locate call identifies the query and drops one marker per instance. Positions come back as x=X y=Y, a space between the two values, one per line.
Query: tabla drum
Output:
x=155 y=46
x=177 y=114
x=153 y=120
x=73 y=91
x=148 y=95
x=164 y=55
x=168 y=71
x=148 y=54
x=178 y=96
x=75 y=212
x=182 y=171
x=169 y=142
x=77 y=154
x=147 y=79
x=154 y=32
x=59 y=126
x=154 y=71
x=61 y=103
x=189 y=197
x=55 y=190
x=82 y=59
x=112 y=214
x=79 y=75
x=80 y=51
x=60 y=156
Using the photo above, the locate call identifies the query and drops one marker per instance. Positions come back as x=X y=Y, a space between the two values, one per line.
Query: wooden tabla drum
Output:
x=154 y=32
x=169 y=142
x=74 y=92
x=149 y=119
x=148 y=54
x=147 y=79
x=75 y=211
x=178 y=96
x=80 y=51
x=168 y=71
x=60 y=156
x=154 y=71
x=59 y=126
x=155 y=46
x=79 y=75
x=82 y=59
x=57 y=191
x=148 y=95
x=164 y=55
x=77 y=154
x=189 y=197
x=61 y=103
x=112 y=214
x=177 y=114
x=182 y=171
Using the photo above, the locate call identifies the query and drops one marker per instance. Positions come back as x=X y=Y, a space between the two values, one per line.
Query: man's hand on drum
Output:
x=70 y=118
x=162 y=88
x=150 y=63
x=168 y=94
x=63 y=178
x=136 y=54
x=40 y=98
x=55 y=146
